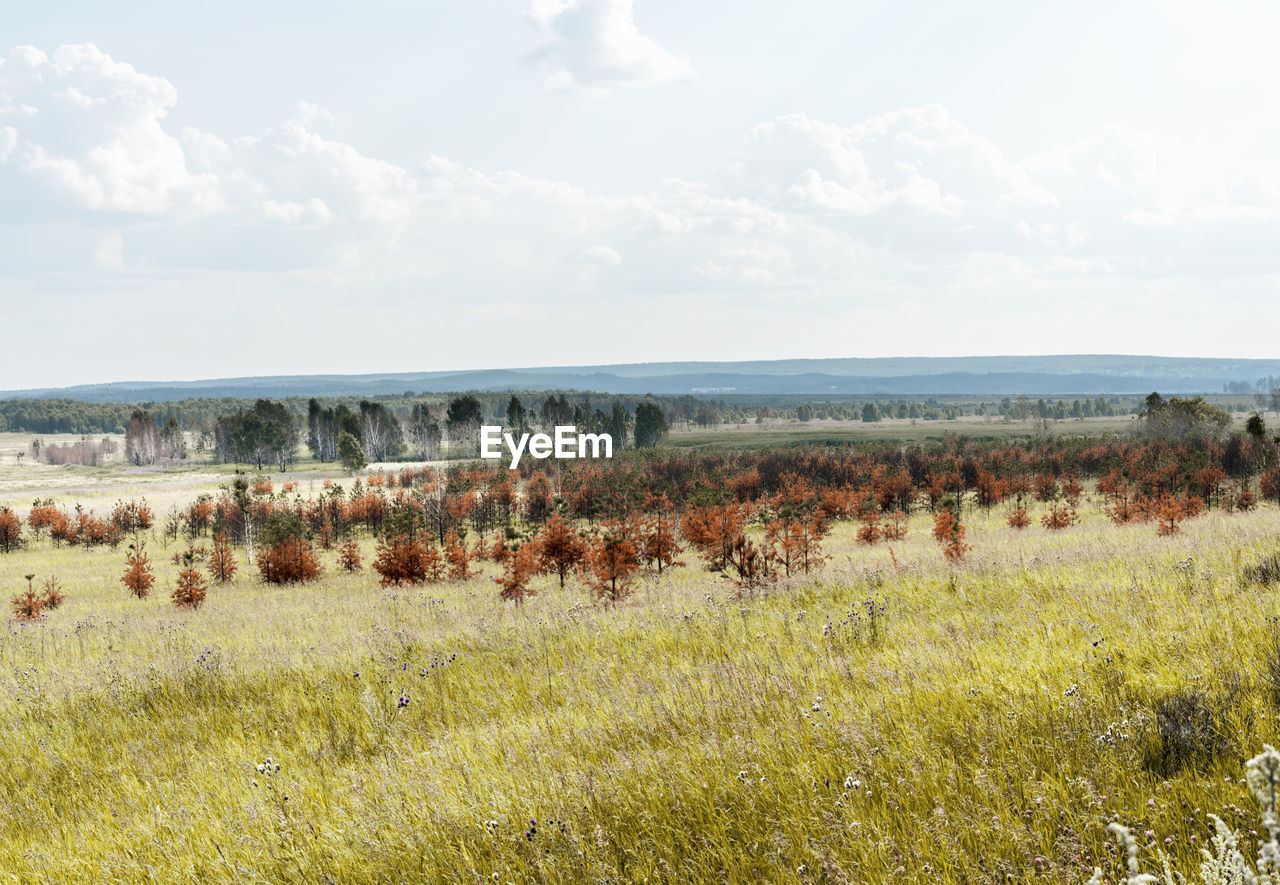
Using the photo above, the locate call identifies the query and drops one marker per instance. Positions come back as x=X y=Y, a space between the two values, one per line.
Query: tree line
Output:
x=198 y=418
x=268 y=433
x=197 y=415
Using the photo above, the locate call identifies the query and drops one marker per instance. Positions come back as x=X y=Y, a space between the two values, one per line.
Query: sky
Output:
x=401 y=185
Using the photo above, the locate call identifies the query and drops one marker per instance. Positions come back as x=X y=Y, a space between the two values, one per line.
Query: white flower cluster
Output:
x=1225 y=864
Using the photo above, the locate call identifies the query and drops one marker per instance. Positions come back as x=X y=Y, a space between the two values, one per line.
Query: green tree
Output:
x=351 y=452
x=1180 y=418
x=517 y=416
x=141 y=440
x=556 y=411
x=618 y=423
x=1256 y=428
x=173 y=441
x=380 y=432
x=424 y=432
x=323 y=427
x=463 y=419
x=651 y=425
x=278 y=432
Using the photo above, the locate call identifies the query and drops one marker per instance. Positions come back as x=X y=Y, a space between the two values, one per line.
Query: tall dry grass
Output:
x=894 y=719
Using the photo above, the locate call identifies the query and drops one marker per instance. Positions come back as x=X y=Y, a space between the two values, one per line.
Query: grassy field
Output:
x=890 y=719
x=774 y=433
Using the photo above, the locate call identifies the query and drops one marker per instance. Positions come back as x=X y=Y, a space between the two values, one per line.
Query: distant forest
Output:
x=197 y=416
x=1058 y=376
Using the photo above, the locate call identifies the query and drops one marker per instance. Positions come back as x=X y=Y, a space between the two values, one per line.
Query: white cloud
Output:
x=915 y=160
x=95 y=134
x=595 y=46
x=838 y=218
x=312 y=212
x=1150 y=179
x=600 y=255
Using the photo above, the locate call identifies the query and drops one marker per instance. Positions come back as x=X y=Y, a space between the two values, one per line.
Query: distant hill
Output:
x=894 y=376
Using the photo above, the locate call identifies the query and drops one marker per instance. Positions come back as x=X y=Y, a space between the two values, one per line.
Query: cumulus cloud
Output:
x=917 y=160
x=831 y=214
x=91 y=129
x=595 y=46
x=1147 y=179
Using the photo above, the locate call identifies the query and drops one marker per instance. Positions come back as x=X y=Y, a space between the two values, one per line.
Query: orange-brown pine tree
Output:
x=560 y=548
x=948 y=531
x=53 y=595
x=519 y=565
x=138 y=577
x=189 y=592
x=753 y=567
x=895 y=526
x=1018 y=518
x=658 y=544
x=613 y=562
x=713 y=530
x=286 y=555
x=27 y=606
x=1060 y=516
x=458 y=557
x=222 y=562
x=10 y=531
x=349 y=555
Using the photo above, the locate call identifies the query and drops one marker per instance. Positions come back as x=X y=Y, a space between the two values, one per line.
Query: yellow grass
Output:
x=994 y=723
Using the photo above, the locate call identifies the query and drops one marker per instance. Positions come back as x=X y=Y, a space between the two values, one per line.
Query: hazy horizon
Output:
x=1005 y=374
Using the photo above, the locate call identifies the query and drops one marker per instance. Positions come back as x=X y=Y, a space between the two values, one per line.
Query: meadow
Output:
x=890 y=717
x=826 y=432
